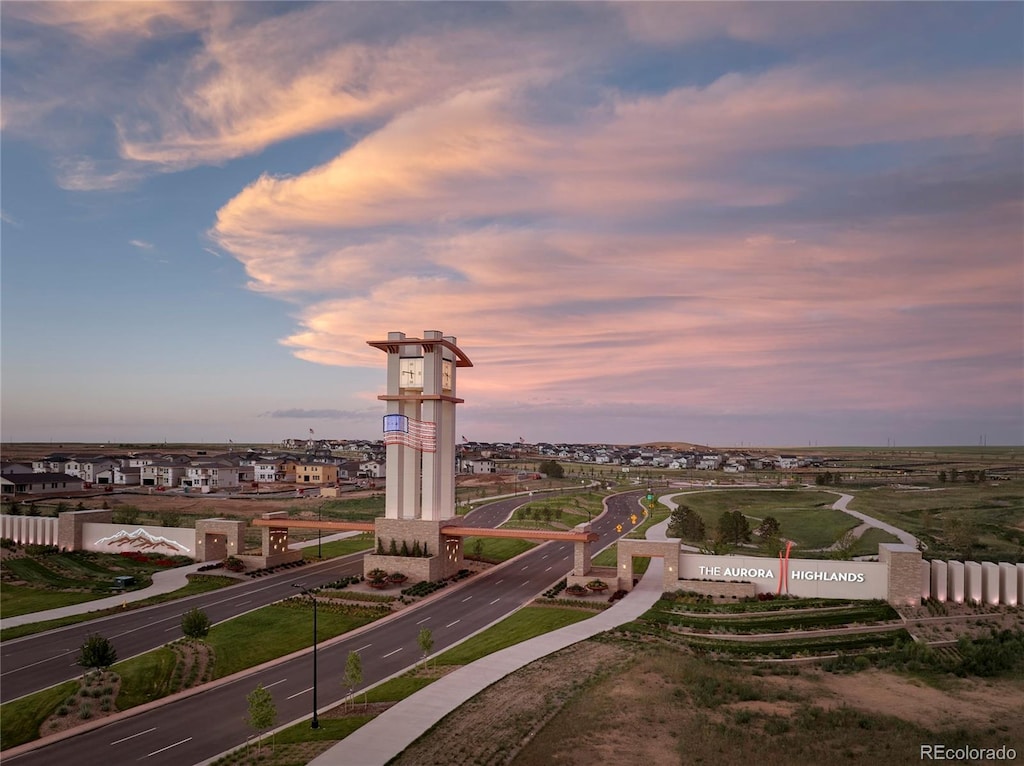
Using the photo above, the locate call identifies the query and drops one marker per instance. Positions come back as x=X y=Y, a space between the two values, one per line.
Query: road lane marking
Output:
x=453 y=623
x=157 y=752
x=525 y=568
x=548 y=569
x=39 y=662
x=362 y=647
x=275 y=683
x=423 y=621
x=299 y=694
x=495 y=601
x=467 y=598
x=500 y=581
x=394 y=652
x=132 y=736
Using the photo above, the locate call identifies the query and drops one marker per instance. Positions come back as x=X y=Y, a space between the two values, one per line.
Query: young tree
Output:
x=426 y=641
x=96 y=653
x=262 y=712
x=353 y=671
x=686 y=523
x=552 y=468
x=478 y=548
x=769 y=527
x=195 y=623
x=842 y=548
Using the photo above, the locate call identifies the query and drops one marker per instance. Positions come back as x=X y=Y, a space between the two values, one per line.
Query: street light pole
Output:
x=319 y=533
x=315 y=723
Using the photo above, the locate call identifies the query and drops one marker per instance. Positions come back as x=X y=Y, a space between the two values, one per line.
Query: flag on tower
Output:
x=310 y=431
x=418 y=434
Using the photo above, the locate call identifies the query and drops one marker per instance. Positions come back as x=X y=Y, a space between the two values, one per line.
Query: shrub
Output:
x=234 y=564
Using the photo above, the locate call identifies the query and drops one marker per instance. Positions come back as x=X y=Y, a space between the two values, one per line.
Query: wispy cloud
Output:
x=328 y=414
x=141 y=244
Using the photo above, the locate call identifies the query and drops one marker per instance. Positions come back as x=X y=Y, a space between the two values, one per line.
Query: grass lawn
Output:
x=196 y=584
x=23 y=717
x=283 y=628
x=867 y=545
x=338 y=548
x=496 y=549
x=16 y=600
x=805 y=516
x=996 y=510
x=526 y=623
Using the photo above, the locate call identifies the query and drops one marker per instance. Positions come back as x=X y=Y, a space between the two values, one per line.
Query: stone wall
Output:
x=735 y=590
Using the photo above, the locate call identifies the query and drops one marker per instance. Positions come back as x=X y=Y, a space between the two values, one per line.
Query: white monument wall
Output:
x=116 y=538
x=29 y=530
x=955 y=583
x=926 y=579
x=809 y=578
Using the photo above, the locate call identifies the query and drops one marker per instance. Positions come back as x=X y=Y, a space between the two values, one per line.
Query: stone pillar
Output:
x=217 y=539
x=904 y=573
x=71 y=523
x=955 y=584
x=1020 y=583
x=939 y=580
x=581 y=553
x=990 y=582
x=1008 y=593
x=926 y=579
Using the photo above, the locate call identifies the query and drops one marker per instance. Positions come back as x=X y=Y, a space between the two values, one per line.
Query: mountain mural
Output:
x=142 y=540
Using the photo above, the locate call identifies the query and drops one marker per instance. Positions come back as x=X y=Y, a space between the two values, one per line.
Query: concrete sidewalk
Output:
x=399 y=726
x=163 y=582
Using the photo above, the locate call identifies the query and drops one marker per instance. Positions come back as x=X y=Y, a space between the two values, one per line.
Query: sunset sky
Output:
x=768 y=224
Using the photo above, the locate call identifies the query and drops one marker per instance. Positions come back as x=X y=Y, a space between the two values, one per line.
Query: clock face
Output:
x=446 y=375
x=411 y=373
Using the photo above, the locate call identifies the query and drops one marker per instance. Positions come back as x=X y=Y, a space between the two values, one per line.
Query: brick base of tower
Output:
x=443 y=557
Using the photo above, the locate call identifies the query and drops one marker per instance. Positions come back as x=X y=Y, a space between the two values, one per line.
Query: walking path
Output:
x=164 y=581
x=840 y=505
x=399 y=726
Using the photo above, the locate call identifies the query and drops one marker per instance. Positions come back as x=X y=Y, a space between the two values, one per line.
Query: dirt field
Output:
x=610 y=702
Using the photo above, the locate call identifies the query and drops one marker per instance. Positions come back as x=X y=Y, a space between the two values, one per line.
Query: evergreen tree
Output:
x=195 y=623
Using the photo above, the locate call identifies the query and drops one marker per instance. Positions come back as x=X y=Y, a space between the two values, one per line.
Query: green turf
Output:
x=145 y=678
x=282 y=628
x=337 y=548
x=23 y=717
x=197 y=584
x=496 y=549
x=526 y=623
x=805 y=516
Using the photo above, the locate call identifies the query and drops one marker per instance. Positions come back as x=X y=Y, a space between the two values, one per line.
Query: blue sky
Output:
x=768 y=224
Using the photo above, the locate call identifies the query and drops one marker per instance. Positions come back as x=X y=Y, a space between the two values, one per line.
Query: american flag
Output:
x=417 y=434
x=310 y=431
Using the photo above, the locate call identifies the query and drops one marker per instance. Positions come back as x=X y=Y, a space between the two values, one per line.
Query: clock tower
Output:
x=419 y=437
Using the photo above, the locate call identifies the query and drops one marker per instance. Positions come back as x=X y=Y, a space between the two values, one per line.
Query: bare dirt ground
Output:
x=600 y=702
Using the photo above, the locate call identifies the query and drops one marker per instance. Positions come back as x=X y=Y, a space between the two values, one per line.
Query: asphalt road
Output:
x=196 y=728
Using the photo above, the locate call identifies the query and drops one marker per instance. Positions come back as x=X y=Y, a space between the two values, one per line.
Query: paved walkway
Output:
x=399 y=726
x=165 y=581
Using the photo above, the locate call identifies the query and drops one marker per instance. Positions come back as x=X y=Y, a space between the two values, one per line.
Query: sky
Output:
x=721 y=223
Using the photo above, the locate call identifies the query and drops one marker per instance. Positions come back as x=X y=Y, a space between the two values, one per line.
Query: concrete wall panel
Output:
x=955 y=582
x=972 y=582
x=1008 y=593
x=990 y=582
x=939 y=580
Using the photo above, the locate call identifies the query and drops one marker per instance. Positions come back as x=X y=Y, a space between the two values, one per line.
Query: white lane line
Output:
x=275 y=683
x=390 y=653
x=525 y=568
x=548 y=569
x=453 y=623
x=132 y=736
x=157 y=752
x=362 y=647
x=467 y=598
x=173 y=627
x=495 y=601
x=500 y=581
x=544 y=556
x=299 y=694
x=39 y=662
x=423 y=621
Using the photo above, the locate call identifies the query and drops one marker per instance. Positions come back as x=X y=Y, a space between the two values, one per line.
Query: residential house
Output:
x=316 y=473
x=38 y=483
